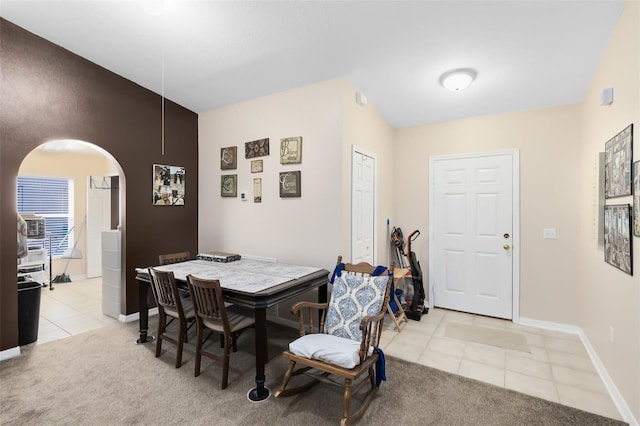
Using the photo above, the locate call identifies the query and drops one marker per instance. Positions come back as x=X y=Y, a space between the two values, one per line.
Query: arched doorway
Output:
x=76 y=300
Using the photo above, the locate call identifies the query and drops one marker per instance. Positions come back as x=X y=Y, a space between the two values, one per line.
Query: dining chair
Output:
x=166 y=259
x=344 y=343
x=212 y=314
x=170 y=304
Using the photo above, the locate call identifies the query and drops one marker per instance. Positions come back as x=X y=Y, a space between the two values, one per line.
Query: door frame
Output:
x=356 y=149
x=515 y=277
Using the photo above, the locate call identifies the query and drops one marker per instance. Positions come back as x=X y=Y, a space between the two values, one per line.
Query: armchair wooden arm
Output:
x=311 y=309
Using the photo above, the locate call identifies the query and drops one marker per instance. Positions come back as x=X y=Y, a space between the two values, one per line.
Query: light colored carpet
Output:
x=103 y=378
x=488 y=336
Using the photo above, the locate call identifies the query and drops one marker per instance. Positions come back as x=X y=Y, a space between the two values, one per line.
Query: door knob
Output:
x=506 y=246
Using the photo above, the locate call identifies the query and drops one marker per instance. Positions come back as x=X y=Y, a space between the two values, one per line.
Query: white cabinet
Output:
x=111 y=273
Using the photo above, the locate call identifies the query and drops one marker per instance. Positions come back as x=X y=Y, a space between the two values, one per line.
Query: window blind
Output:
x=49 y=198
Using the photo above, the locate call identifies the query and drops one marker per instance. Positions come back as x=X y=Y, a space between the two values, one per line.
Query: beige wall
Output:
x=606 y=296
x=312 y=229
x=547 y=141
x=41 y=163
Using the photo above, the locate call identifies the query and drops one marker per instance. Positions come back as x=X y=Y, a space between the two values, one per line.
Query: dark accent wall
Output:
x=49 y=93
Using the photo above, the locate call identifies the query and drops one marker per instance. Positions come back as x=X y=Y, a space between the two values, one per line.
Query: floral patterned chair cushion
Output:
x=352 y=298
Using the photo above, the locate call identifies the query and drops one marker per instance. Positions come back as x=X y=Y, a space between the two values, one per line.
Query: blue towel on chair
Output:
x=378 y=271
x=380 y=368
x=340 y=266
x=337 y=272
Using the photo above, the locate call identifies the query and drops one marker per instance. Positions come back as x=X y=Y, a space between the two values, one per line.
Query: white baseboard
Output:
x=9 y=353
x=613 y=391
x=136 y=316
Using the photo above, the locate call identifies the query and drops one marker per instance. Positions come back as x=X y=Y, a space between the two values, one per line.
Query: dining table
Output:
x=249 y=282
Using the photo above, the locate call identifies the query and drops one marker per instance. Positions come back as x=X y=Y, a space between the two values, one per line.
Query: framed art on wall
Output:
x=259 y=148
x=256 y=166
x=617 y=237
x=257 y=190
x=228 y=158
x=290 y=184
x=617 y=162
x=291 y=150
x=229 y=185
x=168 y=185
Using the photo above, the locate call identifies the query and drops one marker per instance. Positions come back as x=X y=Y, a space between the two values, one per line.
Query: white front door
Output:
x=362 y=207
x=474 y=232
x=98 y=220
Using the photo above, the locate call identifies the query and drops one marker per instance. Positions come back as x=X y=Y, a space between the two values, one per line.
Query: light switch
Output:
x=549 y=233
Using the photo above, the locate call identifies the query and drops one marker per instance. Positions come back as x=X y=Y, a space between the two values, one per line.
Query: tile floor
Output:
x=71 y=308
x=557 y=368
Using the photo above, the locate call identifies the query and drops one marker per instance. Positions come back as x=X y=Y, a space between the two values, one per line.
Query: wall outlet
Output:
x=612 y=334
x=549 y=233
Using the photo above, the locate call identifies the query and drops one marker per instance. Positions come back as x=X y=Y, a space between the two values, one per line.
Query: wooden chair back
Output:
x=165 y=291
x=372 y=331
x=208 y=301
x=166 y=259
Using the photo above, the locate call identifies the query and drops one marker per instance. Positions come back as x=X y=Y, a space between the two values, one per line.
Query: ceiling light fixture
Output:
x=458 y=79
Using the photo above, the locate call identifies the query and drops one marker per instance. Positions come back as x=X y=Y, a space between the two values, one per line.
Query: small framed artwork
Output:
x=259 y=148
x=256 y=166
x=228 y=158
x=257 y=190
x=291 y=150
x=290 y=184
x=617 y=164
x=168 y=185
x=229 y=185
x=617 y=237
x=636 y=199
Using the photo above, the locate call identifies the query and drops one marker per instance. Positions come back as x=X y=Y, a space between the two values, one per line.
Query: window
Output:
x=51 y=198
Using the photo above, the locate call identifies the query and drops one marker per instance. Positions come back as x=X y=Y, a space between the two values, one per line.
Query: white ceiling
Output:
x=529 y=54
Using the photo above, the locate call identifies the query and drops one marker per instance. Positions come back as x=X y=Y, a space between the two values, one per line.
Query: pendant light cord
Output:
x=162 y=88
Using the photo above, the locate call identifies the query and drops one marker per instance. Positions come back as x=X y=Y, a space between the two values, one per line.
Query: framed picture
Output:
x=291 y=150
x=168 y=185
x=290 y=184
x=228 y=158
x=257 y=190
x=636 y=199
x=259 y=148
x=256 y=166
x=229 y=185
x=617 y=237
x=617 y=164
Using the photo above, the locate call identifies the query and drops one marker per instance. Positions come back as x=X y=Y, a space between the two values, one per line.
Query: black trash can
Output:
x=29 y=294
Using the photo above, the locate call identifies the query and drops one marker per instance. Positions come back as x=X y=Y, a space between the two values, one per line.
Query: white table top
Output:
x=245 y=275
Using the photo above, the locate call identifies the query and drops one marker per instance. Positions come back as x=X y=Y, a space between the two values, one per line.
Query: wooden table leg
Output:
x=143 y=307
x=260 y=392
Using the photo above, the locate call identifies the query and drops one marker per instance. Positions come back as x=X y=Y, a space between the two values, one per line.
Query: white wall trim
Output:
x=9 y=353
x=613 y=391
x=136 y=316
